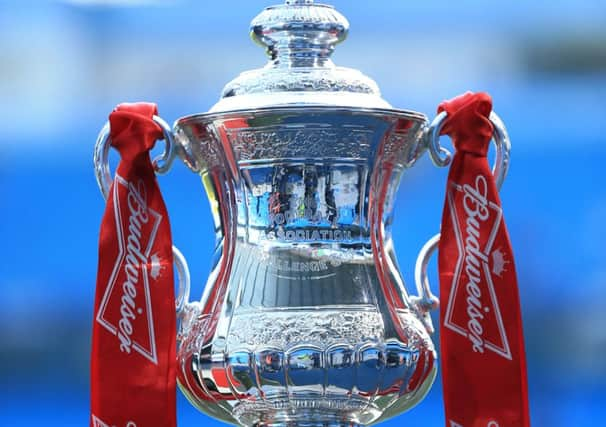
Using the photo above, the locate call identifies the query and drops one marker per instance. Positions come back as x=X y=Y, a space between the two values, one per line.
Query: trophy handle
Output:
x=161 y=164
x=440 y=156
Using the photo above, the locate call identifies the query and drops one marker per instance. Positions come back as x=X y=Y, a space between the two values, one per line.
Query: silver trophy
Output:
x=305 y=319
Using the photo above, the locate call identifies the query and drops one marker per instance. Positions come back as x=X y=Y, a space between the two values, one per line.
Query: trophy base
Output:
x=310 y=412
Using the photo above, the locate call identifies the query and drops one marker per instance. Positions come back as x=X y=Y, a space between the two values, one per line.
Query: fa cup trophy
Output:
x=305 y=319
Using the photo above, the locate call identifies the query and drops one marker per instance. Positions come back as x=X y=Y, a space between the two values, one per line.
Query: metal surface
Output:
x=183 y=280
x=439 y=155
x=442 y=157
x=304 y=268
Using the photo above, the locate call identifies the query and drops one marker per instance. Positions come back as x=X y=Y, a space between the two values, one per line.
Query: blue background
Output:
x=65 y=65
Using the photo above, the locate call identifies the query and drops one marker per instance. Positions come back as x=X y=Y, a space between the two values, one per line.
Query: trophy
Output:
x=305 y=319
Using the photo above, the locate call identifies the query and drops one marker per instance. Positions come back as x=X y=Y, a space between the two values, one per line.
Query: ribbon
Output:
x=482 y=344
x=133 y=361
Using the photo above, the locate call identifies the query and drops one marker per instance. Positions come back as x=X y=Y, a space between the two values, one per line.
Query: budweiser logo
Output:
x=473 y=308
x=125 y=309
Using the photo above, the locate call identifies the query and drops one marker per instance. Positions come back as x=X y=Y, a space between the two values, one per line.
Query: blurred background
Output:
x=65 y=65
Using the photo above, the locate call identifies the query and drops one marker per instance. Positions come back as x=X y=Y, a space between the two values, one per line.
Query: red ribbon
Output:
x=482 y=344
x=133 y=366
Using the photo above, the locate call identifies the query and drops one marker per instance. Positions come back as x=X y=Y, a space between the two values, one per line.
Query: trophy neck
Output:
x=305 y=57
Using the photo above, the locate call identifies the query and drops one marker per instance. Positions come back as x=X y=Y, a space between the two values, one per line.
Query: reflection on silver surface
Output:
x=305 y=316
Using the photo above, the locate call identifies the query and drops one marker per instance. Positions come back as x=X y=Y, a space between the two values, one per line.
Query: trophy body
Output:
x=305 y=319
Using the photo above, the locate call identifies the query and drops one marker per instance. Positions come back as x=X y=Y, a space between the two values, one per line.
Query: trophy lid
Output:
x=299 y=37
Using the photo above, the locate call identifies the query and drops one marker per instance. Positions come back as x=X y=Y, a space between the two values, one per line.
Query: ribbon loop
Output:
x=468 y=122
x=133 y=130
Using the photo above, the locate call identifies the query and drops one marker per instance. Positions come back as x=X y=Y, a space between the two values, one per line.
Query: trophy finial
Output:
x=299 y=32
